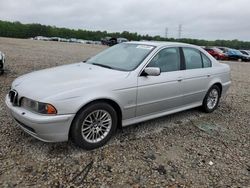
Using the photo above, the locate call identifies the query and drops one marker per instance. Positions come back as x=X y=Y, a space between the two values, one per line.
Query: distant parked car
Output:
x=245 y=52
x=216 y=53
x=90 y=42
x=73 y=40
x=110 y=41
x=42 y=38
x=97 y=42
x=126 y=84
x=121 y=40
x=64 y=40
x=105 y=40
x=2 y=60
x=55 y=39
x=237 y=55
x=81 y=41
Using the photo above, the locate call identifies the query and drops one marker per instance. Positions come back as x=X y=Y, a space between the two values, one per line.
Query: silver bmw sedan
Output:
x=123 y=85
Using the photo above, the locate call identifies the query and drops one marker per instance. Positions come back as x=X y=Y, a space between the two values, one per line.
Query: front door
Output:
x=161 y=93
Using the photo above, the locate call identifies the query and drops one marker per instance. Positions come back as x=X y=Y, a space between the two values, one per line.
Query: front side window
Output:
x=192 y=58
x=125 y=56
x=167 y=60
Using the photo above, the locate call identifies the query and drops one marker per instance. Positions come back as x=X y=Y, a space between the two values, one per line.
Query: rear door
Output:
x=196 y=77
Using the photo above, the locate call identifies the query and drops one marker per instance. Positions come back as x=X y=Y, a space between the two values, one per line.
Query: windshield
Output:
x=125 y=56
x=237 y=52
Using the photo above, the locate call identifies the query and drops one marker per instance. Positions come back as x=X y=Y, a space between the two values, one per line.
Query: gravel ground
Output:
x=187 y=149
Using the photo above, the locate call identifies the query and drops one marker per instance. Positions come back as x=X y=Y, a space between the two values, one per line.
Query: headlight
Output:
x=42 y=108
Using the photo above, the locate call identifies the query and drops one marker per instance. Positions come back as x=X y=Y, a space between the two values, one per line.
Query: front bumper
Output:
x=43 y=127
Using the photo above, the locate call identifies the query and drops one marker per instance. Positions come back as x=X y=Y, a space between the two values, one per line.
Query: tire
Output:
x=88 y=128
x=212 y=99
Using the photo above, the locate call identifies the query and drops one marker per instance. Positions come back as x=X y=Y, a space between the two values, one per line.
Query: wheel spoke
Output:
x=93 y=138
x=97 y=115
x=104 y=116
x=103 y=128
x=92 y=135
x=98 y=134
x=88 y=121
x=85 y=129
x=89 y=133
x=107 y=120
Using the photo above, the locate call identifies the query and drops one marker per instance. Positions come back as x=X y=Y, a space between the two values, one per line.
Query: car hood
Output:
x=49 y=82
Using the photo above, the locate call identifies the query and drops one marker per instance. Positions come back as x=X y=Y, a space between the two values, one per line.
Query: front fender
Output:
x=71 y=105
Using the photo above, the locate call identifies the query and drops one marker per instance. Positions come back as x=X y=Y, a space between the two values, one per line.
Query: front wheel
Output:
x=94 y=125
x=211 y=100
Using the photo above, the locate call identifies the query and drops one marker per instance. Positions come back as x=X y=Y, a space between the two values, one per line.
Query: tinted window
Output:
x=192 y=58
x=206 y=61
x=167 y=60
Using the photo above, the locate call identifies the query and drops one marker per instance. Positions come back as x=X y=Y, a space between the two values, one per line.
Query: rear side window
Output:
x=206 y=61
x=192 y=58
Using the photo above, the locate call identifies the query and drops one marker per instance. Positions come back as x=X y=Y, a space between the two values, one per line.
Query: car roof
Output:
x=161 y=44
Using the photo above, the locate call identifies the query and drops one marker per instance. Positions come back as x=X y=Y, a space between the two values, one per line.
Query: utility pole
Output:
x=166 y=32
x=179 y=31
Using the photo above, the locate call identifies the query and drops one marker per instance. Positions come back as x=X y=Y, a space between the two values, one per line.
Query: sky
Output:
x=210 y=19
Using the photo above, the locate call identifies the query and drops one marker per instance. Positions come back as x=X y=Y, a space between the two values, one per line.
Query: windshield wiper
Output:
x=105 y=66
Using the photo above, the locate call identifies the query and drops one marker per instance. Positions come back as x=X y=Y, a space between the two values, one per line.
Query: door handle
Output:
x=208 y=75
x=179 y=79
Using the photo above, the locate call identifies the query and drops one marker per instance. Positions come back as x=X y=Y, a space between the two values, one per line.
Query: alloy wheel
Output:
x=96 y=126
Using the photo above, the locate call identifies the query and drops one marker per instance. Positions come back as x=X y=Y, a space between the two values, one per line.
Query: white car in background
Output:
x=121 y=40
x=245 y=52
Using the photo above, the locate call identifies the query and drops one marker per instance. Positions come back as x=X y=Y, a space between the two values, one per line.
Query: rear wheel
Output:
x=94 y=125
x=211 y=100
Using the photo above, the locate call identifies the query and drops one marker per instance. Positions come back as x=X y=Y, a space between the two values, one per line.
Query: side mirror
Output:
x=151 y=71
